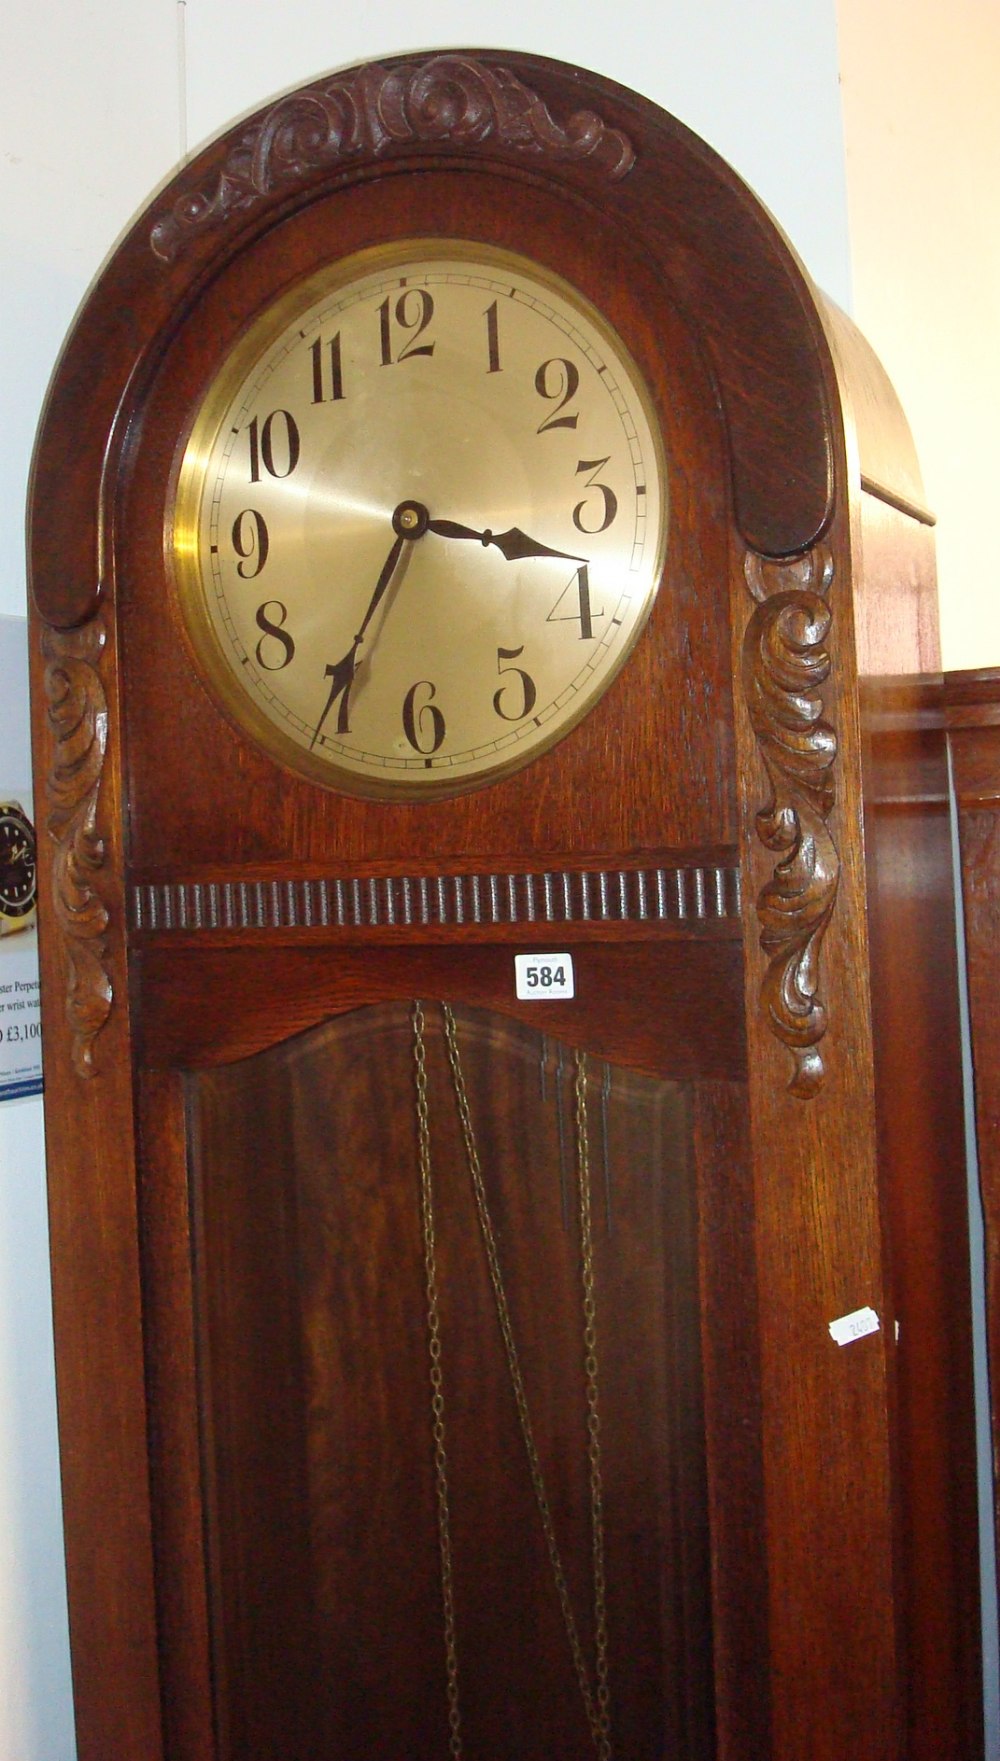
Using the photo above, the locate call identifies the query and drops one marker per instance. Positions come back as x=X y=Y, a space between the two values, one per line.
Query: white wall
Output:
x=89 y=121
x=33 y=1652
x=921 y=92
x=96 y=98
x=758 y=82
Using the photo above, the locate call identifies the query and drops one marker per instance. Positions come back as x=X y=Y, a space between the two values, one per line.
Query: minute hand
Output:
x=512 y=544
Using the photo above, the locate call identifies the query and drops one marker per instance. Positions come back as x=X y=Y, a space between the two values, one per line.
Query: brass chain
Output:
x=437 y=1386
x=602 y=1736
x=597 y=1706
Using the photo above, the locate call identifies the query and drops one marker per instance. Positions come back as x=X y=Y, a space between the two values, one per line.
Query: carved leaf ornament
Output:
x=785 y=664
x=448 y=99
x=78 y=717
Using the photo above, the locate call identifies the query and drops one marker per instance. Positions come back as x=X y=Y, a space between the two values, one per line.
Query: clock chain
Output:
x=561 y=1133
x=437 y=1386
x=596 y=1699
x=605 y=1152
x=557 y=1059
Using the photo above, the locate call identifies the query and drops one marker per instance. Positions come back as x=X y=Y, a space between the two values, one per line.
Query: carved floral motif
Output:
x=449 y=99
x=78 y=717
x=785 y=665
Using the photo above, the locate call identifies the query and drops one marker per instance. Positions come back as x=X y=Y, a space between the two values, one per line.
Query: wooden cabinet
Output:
x=603 y=1385
x=972 y=710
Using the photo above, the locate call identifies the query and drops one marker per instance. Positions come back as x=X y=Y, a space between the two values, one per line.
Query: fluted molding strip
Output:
x=690 y=895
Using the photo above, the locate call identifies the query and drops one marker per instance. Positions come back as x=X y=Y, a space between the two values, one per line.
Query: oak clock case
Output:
x=449 y=458
x=458 y=565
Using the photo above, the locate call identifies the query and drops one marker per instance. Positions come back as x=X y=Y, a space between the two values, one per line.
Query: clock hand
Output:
x=341 y=673
x=513 y=544
x=409 y=522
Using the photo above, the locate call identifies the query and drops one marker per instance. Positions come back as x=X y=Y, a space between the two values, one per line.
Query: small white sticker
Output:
x=855 y=1326
x=540 y=978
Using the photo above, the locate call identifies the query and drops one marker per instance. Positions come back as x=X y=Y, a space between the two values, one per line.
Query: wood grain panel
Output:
x=920 y=1126
x=972 y=707
x=317 y=1382
x=225 y=1004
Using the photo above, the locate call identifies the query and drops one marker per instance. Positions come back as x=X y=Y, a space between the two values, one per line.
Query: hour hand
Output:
x=409 y=521
x=341 y=678
x=513 y=544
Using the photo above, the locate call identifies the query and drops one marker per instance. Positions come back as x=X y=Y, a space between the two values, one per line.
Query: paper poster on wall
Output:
x=20 y=1019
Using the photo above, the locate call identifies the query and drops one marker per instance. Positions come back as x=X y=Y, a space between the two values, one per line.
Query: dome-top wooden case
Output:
x=757 y=1462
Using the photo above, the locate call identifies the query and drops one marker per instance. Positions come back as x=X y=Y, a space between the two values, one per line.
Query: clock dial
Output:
x=421 y=519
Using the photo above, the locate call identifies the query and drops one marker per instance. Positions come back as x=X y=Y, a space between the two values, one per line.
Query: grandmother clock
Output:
x=500 y=1024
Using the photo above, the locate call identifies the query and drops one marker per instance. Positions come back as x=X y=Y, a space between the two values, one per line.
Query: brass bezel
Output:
x=183 y=521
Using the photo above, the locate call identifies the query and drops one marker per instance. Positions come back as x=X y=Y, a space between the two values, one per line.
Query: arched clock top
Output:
x=725 y=263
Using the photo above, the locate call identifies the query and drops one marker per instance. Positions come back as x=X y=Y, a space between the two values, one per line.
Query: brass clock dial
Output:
x=421 y=518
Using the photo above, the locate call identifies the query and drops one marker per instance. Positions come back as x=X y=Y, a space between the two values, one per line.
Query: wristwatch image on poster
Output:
x=20 y=1022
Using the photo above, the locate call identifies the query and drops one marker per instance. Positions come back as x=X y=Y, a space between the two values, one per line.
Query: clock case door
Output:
x=324 y=1492
x=715 y=843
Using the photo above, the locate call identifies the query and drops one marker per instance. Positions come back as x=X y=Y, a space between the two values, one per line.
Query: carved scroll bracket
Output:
x=78 y=717
x=785 y=665
x=450 y=100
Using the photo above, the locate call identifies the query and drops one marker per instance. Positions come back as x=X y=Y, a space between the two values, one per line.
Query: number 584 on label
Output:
x=542 y=978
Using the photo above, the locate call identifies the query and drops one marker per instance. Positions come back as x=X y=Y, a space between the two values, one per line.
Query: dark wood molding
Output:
x=450 y=100
x=972 y=713
x=785 y=664
x=78 y=718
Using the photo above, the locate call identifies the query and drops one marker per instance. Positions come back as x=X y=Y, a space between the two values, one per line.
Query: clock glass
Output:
x=420 y=519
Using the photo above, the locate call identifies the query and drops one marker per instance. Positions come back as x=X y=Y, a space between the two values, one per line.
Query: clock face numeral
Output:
x=605 y=514
x=250 y=542
x=327 y=370
x=558 y=379
x=456 y=556
x=275 y=649
x=577 y=594
x=413 y=310
x=513 y=702
x=423 y=723
x=274 y=443
x=493 y=337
